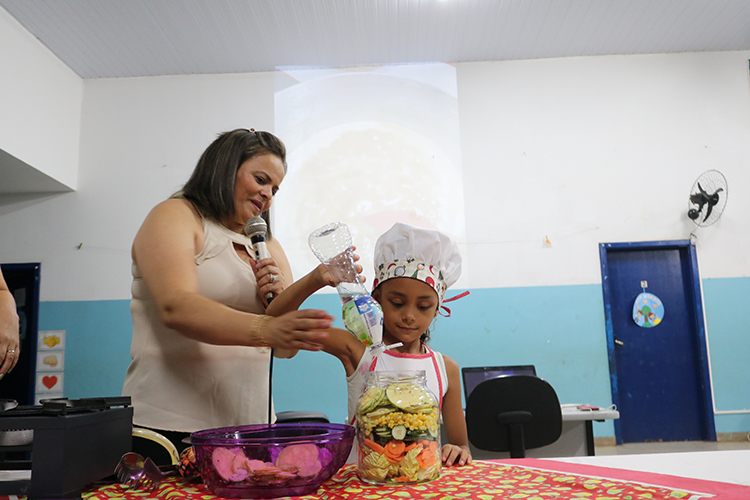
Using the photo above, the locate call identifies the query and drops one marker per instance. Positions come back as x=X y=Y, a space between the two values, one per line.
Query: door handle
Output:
x=619 y=342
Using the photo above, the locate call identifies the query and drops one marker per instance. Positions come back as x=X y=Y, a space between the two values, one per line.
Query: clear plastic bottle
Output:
x=362 y=315
x=398 y=429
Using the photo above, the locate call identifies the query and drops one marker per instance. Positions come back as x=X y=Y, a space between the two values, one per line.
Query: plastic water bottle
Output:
x=362 y=315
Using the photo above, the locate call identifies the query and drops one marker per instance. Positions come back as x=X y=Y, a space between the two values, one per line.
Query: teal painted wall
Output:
x=558 y=329
x=728 y=331
x=97 y=344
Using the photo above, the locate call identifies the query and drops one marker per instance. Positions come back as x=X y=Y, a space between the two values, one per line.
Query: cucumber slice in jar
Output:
x=408 y=397
x=433 y=429
x=416 y=435
x=399 y=432
x=426 y=410
x=383 y=431
x=370 y=399
x=383 y=410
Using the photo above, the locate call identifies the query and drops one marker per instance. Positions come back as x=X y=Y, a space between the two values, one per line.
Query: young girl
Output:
x=413 y=269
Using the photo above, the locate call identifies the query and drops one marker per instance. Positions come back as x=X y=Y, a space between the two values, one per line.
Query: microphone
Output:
x=256 y=228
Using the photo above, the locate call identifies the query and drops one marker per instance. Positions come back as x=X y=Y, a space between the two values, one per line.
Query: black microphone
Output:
x=255 y=228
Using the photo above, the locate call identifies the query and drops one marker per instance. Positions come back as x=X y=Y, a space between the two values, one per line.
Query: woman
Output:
x=201 y=338
x=9 y=342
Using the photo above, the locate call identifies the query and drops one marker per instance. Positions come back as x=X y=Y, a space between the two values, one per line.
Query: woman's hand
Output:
x=452 y=454
x=298 y=330
x=9 y=343
x=269 y=277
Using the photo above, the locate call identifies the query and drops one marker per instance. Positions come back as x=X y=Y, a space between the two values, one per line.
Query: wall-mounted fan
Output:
x=708 y=197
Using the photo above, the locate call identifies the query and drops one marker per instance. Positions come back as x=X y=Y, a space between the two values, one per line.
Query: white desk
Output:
x=576 y=421
x=724 y=466
x=577 y=438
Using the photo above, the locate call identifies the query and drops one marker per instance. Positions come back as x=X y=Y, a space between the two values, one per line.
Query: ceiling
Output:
x=127 y=38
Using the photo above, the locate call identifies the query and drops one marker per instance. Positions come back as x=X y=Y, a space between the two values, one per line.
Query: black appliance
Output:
x=75 y=443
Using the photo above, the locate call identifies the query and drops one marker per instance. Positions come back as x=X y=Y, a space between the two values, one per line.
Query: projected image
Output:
x=368 y=148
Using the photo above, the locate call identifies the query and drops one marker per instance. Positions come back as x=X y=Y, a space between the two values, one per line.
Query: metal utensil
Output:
x=14 y=437
x=129 y=469
x=153 y=474
x=8 y=404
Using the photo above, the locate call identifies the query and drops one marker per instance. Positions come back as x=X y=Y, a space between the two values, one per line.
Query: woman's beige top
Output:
x=180 y=384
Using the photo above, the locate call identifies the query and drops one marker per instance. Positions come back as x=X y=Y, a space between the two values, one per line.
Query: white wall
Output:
x=40 y=104
x=140 y=139
x=583 y=150
x=600 y=149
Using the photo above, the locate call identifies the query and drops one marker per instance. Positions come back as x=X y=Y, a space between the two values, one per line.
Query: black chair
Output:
x=288 y=417
x=513 y=413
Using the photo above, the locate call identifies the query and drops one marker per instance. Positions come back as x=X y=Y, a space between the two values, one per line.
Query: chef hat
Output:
x=406 y=251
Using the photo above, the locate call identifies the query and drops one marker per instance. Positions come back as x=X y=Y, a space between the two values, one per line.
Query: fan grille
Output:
x=708 y=197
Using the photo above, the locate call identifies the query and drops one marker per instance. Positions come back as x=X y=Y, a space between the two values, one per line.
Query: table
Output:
x=522 y=479
x=726 y=466
x=577 y=438
x=576 y=421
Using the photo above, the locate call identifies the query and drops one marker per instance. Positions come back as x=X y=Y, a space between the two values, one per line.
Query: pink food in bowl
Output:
x=270 y=461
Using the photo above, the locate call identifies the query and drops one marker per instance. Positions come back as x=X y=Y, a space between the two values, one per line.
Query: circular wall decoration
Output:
x=648 y=311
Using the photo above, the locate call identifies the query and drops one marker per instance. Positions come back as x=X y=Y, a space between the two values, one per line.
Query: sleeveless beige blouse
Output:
x=180 y=384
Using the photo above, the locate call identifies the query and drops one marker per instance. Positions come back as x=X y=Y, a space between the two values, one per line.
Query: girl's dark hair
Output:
x=211 y=186
x=425 y=337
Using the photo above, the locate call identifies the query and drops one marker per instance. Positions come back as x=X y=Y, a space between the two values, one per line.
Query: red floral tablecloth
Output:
x=483 y=480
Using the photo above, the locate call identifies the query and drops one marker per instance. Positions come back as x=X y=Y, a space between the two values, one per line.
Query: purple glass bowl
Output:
x=270 y=461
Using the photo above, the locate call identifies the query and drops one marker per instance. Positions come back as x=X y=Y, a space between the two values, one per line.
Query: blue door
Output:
x=659 y=374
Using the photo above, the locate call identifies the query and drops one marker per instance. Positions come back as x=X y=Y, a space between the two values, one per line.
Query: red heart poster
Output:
x=49 y=382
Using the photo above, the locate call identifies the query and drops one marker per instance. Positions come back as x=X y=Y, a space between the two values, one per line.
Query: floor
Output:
x=671 y=447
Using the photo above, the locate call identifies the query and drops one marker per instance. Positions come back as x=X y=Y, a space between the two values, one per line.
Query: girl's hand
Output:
x=269 y=278
x=325 y=277
x=304 y=329
x=452 y=454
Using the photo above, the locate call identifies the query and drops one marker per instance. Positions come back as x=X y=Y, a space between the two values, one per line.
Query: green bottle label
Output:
x=363 y=317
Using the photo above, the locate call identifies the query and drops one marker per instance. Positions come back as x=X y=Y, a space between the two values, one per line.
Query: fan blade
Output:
x=708 y=211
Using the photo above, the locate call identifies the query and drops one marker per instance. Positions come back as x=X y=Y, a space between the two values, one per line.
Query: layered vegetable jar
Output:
x=398 y=429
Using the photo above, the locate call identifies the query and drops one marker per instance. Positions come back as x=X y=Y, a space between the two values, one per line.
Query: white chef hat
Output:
x=406 y=251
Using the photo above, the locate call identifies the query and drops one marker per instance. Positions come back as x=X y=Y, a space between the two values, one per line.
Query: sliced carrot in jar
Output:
x=411 y=446
x=426 y=458
x=374 y=446
x=395 y=447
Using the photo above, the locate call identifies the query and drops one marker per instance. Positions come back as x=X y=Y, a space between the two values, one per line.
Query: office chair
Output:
x=288 y=417
x=513 y=413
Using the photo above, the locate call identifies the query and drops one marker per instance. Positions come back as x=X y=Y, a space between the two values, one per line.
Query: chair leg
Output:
x=516 y=441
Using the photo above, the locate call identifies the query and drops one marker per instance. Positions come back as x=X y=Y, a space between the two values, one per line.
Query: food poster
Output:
x=51 y=340
x=44 y=396
x=47 y=361
x=50 y=365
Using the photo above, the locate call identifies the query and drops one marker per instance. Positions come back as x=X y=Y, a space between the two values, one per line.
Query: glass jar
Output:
x=398 y=429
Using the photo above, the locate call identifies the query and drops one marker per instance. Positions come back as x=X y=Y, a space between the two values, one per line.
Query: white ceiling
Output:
x=125 y=38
